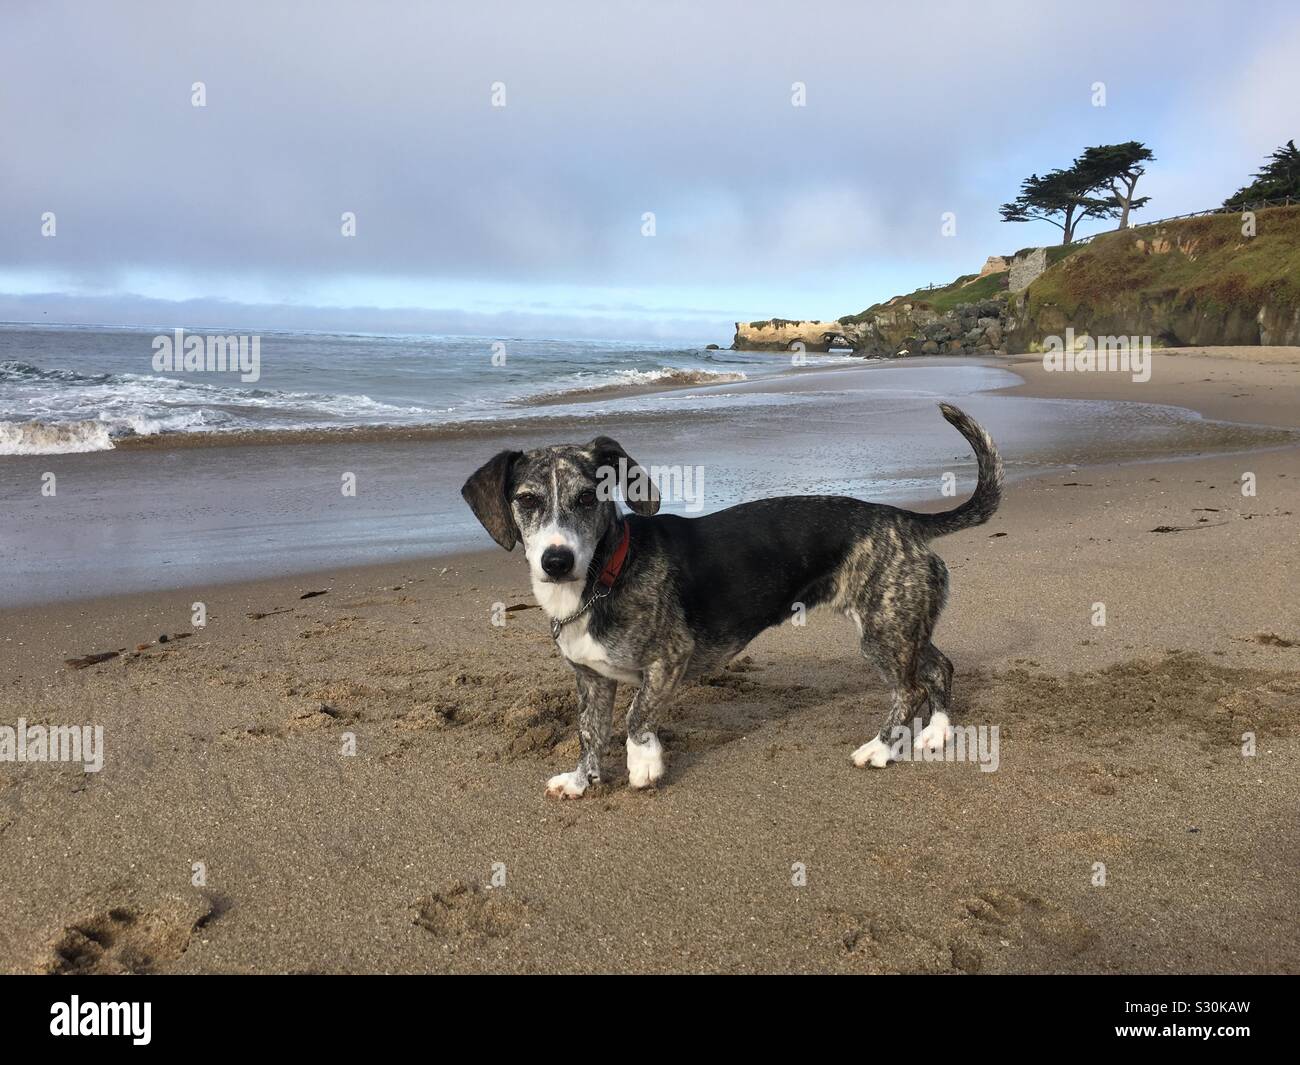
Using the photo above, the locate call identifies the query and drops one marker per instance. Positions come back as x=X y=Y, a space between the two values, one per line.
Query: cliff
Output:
x=1191 y=281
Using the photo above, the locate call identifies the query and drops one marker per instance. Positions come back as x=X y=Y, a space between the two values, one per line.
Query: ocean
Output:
x=351 y=449
x=68 y=390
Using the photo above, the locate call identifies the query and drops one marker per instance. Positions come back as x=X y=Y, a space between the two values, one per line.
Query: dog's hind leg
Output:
x=906 y=701
x=896 y=612
x=934 y=670
x=897 y=653
x=645 y=754
x=595 y=710
x=935 y=675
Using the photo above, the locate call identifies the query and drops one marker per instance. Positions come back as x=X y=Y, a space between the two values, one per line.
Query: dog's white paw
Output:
x=877 y=753
x=566 y=786
x=935 y=735
x=645 y=762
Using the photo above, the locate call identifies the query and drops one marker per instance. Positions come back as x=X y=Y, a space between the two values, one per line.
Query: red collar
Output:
x=615 y=564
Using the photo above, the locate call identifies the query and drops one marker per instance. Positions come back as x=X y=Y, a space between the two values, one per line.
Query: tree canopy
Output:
x=1279 y=178
x=1118 y=167
x=1062 y=197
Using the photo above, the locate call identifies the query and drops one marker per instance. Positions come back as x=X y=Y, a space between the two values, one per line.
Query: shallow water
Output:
x=136 y=519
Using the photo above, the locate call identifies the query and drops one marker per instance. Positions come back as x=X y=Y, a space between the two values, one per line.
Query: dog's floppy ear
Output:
x=485 y=492
x=634 y=482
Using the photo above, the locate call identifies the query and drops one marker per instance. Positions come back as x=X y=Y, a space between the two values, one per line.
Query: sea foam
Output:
x=63 y=438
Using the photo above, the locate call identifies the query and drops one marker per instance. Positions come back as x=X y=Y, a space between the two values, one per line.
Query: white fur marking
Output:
x=566 y=786
x=554 y=535
x=558 y=598
x=936 y=734
x=580 y=648
x=876 y=753
x=548 y=536
x=645 y=762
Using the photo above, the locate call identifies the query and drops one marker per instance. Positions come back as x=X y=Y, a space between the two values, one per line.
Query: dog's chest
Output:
x=580 y=648
x=575 y=640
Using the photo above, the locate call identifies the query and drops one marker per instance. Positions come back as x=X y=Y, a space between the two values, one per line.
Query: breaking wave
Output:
x=64 y=438
x=625 y=382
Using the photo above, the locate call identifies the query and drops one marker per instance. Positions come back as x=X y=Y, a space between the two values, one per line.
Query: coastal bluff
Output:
x=1200 y=281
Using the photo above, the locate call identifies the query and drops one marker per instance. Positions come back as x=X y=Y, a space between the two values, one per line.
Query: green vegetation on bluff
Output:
x=1206 y=262
x=776 y=323
x=941 y=299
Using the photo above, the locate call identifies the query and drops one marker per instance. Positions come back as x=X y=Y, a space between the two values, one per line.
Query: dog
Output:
x=655 y=601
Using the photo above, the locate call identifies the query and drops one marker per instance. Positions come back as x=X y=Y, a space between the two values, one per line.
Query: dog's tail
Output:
x=988 y=489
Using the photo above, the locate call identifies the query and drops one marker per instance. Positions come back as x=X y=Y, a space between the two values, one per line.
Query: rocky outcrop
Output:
x=994 y=264
x=1026 y=268
x=781 y=334
x=1169 y=321
x=899 y=328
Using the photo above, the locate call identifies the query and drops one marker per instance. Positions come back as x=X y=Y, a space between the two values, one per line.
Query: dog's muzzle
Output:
x=557 y=562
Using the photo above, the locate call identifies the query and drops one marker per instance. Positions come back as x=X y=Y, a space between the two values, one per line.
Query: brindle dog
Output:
x=653 y=601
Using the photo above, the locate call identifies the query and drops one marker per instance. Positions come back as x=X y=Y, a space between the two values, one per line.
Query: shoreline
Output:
x=283 y=587
x=774 y=381
x=1210 y=387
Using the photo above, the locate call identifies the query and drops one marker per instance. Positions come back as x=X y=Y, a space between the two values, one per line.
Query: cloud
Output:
x=612 y=110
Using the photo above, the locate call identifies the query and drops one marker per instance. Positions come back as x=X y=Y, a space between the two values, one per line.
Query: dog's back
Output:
x=744 y=569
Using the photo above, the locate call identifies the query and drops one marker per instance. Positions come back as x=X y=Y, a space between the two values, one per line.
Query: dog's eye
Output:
x=528 y=500
x=587 y=497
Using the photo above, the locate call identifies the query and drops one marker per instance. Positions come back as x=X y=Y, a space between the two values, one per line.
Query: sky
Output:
x=530 y=219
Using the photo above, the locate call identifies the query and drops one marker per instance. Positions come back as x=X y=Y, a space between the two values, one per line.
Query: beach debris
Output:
x=258 y=616
x=1188 y=528
x=92 y=659
x=313 y=595
x=521 y=606
x=994 y=536
x=1272 y=639
x=330 y=711
x=163 y=638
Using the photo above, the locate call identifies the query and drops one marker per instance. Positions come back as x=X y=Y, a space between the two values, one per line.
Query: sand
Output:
x=229 y=831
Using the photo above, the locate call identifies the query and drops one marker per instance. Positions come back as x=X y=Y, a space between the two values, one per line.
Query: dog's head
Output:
x=559 y=501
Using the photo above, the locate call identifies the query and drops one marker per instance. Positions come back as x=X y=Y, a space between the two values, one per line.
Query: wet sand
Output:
x=1120 y=745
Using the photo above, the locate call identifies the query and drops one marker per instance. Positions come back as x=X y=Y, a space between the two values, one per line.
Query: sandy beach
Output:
x=353 y=781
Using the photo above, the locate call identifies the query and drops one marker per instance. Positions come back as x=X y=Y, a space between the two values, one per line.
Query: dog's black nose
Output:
x=557 y=561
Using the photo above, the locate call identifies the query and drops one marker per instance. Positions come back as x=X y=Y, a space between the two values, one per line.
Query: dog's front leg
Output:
x=645 y=754
x=595 y=708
